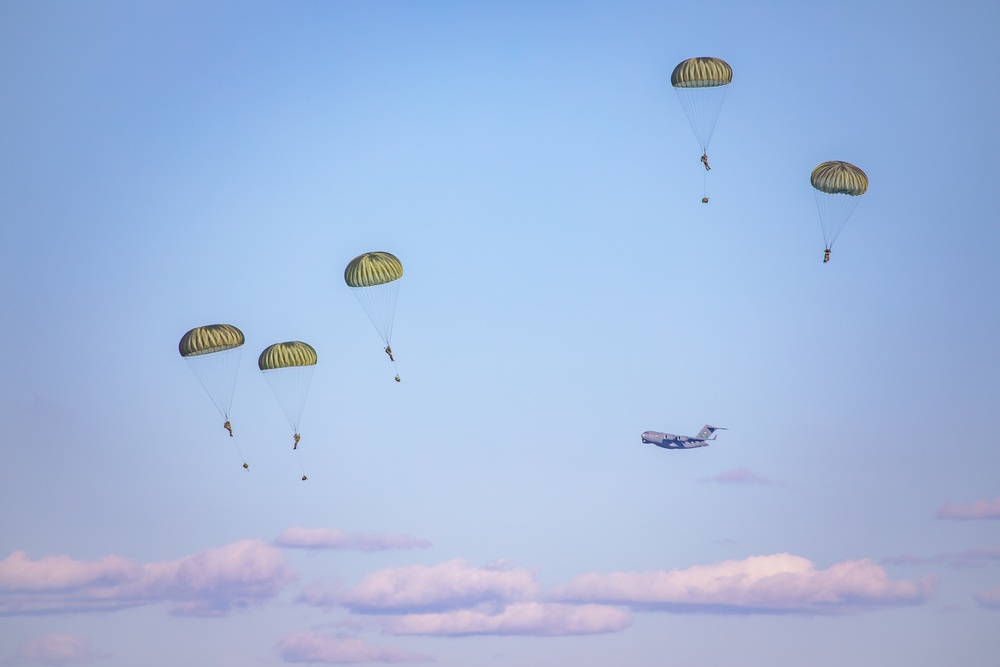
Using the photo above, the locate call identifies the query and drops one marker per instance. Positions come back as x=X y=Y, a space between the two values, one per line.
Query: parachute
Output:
x=374 y=279
x=213 y=353
x=701 y=85
x=838 y=185
x=288 y=368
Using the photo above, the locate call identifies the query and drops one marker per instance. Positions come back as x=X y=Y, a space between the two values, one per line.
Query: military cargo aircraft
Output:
x=671 y=441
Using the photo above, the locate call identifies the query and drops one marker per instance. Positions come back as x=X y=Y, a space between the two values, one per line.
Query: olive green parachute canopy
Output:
x=839 y=178
x=701 y=73
x=373 y=268
x=288 y=368
x=374 y=277
x=701 y=85
x=209 y=339
x=832 y=180
x=286 y=355
x=213 y=354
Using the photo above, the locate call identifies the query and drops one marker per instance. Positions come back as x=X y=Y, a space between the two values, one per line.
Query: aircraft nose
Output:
x=645 y=436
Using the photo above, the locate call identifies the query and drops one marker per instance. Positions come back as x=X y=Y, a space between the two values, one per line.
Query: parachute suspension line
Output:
x=290 y=386
x=212 y=353
x=379 y=303
x=834 y=211
x=217 y=373
x=838 y=186
x=374 y=279
x=702 y=107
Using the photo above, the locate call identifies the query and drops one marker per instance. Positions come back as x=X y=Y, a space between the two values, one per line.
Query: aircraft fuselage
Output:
x=671 y=441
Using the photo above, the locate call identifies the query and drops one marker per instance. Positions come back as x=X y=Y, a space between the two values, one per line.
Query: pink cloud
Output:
x=54 y=573
x=779 y=583
x=318 y=647
x=450 y=585
x=208 y=583
x=332 y=538
x=56 y=650
x=980 y=509
x=741 y=476
x=990 y=598
x=525 y=618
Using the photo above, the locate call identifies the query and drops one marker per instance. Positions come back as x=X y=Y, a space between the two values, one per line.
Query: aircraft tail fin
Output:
x=707 y=430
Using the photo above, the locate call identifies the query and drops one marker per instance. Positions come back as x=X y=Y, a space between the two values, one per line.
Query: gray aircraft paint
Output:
x=671 y=441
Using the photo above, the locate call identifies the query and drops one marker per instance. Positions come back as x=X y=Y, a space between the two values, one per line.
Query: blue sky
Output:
x=170 y=165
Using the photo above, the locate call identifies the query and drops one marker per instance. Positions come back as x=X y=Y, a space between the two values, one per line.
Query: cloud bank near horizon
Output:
x=979 y=509
x=451 y=598
x=456 y=598
x=454 y=584
x=777 y=583
x=298 y=537
x=208 y=583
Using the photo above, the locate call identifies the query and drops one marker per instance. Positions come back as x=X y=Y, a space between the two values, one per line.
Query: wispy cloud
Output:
x=742 y=476
x=525 y=618
x=968 y=558
x=455 y=584
x=990 y=598
x=979 y=509
x=56 y=650
x=332 y=538
x=208 y=583
x=778 y=583
x=326 y=648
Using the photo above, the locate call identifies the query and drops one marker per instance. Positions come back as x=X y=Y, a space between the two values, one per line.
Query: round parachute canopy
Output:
x=832 y=181
x=287 y=355
x=701 y=85
x=209 y=339
x=374 y=279
x=839 y=178
x=213 y=354
x=701 y=73
x=373 y=268
x=288 y=368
